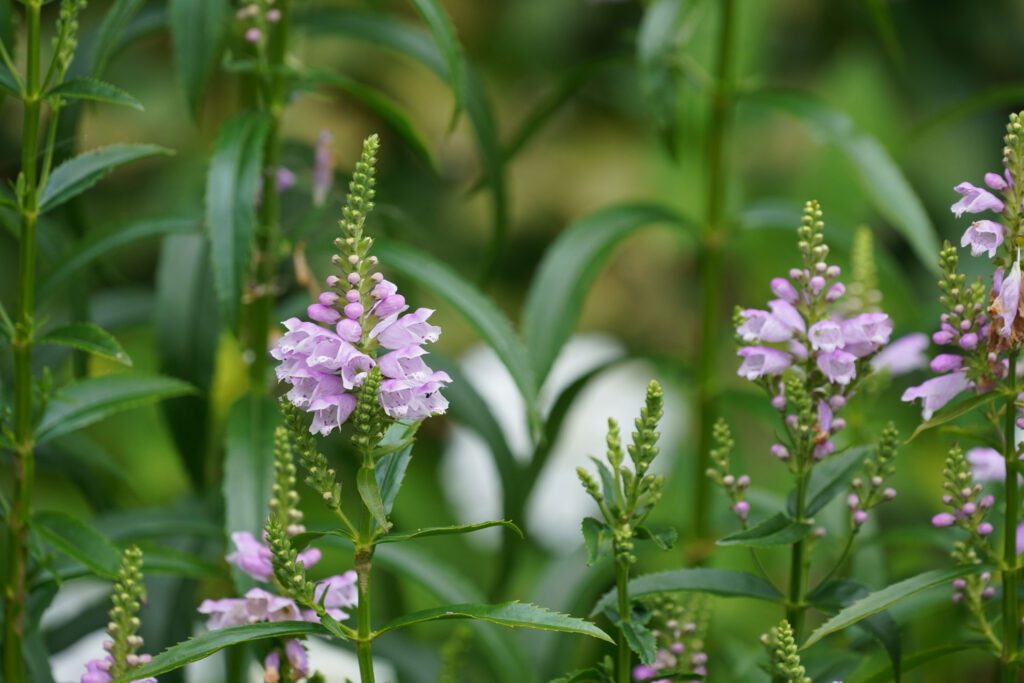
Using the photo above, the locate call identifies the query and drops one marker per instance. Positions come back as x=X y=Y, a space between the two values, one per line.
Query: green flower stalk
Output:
x=625 y=498
x=785 y=658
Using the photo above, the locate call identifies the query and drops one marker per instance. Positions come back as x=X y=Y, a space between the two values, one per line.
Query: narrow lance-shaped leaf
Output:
x=95 y=90
x=232 y=184
x=778 y=529
x=369 y=491
x=443 y=31
x=90 y=400
x=721 y=582
x=390 y=472
x=950 y=413
x=197 y=32
x=450 y=530
x=830 y=478
x=568 y=269
x=78 y=174
x=90 y=338
x=78 y=541
x=108 y=36
x=510 y=614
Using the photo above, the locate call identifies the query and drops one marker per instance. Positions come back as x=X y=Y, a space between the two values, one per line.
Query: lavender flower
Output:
x=903 y=355
x=937 y=392
x=762 y=361
x=975 y=200
x=323 y=168
x=254 y=557
x=983 y=237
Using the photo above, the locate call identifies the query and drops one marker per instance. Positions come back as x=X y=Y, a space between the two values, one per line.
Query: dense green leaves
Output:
x=197 y=32
x=950 y=413
x=205 y=644
x=479 y=311
x=249 y=466
x=78 y=541
x=86 y=401
x=510 y=614
x=94 y=90
x=881 y=179
x=721 y=582
x=78 y=174
x=90 y=338
x=232 y=184
x=888 y=596
x=449 y=530
x=779 y=529
x=568 y=269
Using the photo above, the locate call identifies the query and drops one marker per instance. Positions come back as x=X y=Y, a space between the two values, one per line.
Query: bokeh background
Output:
x=931 y=80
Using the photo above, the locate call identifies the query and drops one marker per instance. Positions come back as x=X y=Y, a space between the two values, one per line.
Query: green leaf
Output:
x=950 y=413
x=510 y=614
x=8 y=83
x=383 y=106
x=87 y=252
x=883 y=182
x=722 y=582
x=778 y=529
x=568 y=269
x=640 y=640
x=249 y=467
x=444 y=36
x=889 y=596
x=94 y=90
x=390 y=472
x=206 y=644
x=922 y=657
x=80 y=404
x=479 y=311
x=663 y=537
x=450 y=530
x=991 y=99
x=232 y=184
x=197 y=33
x=369 y=491
x=596 y=536
x=839 y=593
x=158 y=559
x=108 y=36
x=78 y=174
x=90 y=338
x=829 y=478
x=79 y=541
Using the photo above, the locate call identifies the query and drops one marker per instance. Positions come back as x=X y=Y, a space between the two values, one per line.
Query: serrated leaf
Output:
x=881 y=179
x=232 y=183
x=80 y=404
x=721 y=582
x=90 y=250
x=202 y=646
x=640 y=640
x=595 y=537
x=88 y=337
x=197 y=33
x=950 y=413
x=568 y=269
x=509 y=614
x=94 y=90
x=369 y=491
x=78 y=174
x=889 y=596
x=249 y=467
x=836 y=594
x=663 y=537
x=778 y=529
x=479 y=311
x=829 y=478
x=79 y=541
x=450 y=530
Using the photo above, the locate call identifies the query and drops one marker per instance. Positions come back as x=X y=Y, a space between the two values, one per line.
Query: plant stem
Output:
x=364 y=651
x=625 y=614
x=795 y=606
x=15 y=595
x=710 y=258
x=1010 y=569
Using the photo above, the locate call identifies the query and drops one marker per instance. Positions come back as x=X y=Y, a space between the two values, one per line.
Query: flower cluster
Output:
x=734 y=487
x=326 y=367
x=966 y=500
x=803 y=331
x=980 y=323
x=255 y=18
x=124 y=641
x=785 y=655
x=679 y=635
x=872 y=491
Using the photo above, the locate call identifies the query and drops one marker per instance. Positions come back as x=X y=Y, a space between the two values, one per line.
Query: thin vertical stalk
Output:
x=625 y=614
x=364 y=640
x=15 y=595
x=710 y=260
x=795 y=606
x=1010 y=565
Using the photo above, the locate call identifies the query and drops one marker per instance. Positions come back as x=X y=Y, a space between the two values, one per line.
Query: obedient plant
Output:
x=980 y=330
x=809 y=353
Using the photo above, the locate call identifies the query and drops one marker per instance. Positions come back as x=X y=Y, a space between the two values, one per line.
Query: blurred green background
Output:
x=931 y=80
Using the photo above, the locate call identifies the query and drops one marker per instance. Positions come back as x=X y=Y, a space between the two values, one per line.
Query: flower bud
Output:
x=984 y=529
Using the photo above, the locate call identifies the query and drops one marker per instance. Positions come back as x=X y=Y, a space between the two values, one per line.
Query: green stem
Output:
x=795 y=606
x=625 y=614
x=1010 y=568
x=15 y=594
x=710 y=259
x=364 y=632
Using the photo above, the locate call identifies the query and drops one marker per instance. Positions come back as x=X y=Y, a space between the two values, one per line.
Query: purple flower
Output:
x=904 y=355
x=284 y=179
x=643 y=672
x=272 y=666
x=783 y=289
x=323 y=167
x=866 y=333
x=225 y=612
x=336 y=592
x=787 y=314
x=776 y=326
x=946 y=362
x=254 y=557
x=98 y=670
x=1008 y=300
x=983 y=236
x=263 y=605
x=975 y=200
x=759 y=361
x=987 y=464
x=996 y=181
x=825 y=335
x=1020 y=538
x=398 y=332
x=414 y=399
x=838 y=366
x=297 y=657
x=943 y=519
x=937 y=391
